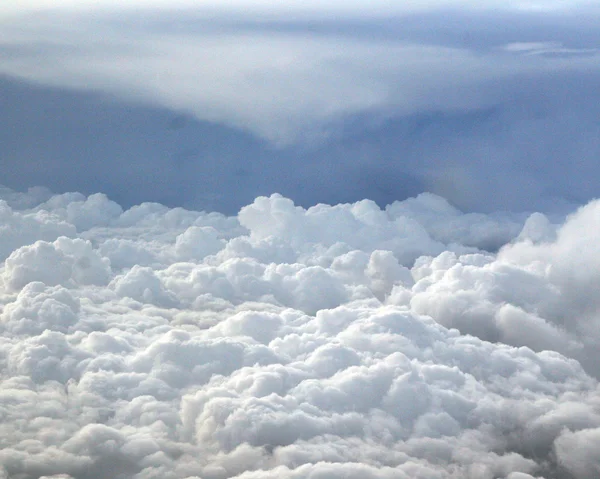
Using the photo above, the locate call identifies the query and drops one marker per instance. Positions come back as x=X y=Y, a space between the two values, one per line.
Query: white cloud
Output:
x=38 y=308
x=285 y=342
x=414 y=341
x=66 y=261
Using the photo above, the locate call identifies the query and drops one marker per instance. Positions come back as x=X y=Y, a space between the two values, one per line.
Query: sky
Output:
x=259 y=240
x=492 y=105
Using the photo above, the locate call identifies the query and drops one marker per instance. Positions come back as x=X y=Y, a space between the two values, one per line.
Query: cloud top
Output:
x=338 y=341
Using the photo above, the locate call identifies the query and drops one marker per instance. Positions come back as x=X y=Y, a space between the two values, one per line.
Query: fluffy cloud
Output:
x=66 y=261
x=336 y=341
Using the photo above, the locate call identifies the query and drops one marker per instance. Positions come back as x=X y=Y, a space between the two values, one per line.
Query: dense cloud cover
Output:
x=438 y=337
x=490 y=104
x=414 y=341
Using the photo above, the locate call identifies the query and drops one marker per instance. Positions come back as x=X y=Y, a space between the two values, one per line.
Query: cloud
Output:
x=339 y=341
x=546 y=48
x=551 y=303
x=63 y=262
x=440 y=329
x=349 y=8
x=282 y=84
x=490 y=106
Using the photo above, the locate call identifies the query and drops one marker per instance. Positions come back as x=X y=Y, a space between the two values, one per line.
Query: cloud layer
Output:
x=336 y=341
x=282 y=80
x=491 y=106
x=305 y=334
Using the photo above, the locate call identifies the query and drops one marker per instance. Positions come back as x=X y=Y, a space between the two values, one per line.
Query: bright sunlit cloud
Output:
x=338 y=341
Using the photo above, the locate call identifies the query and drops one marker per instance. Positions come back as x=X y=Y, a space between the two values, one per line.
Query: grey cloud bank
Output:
x=334 y=341
x=492 y=108
x=521 y=156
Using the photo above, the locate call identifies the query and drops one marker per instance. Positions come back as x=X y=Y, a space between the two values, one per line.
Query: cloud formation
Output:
x=490 y=105
x=280 y=82
x=414 y=341
x=313 y=333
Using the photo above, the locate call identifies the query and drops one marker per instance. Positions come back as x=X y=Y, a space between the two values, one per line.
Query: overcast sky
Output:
x=493 y=105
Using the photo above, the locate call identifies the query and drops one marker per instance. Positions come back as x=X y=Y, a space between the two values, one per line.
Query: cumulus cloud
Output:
x=415 y=341
x=309 y=334
x=66 y=261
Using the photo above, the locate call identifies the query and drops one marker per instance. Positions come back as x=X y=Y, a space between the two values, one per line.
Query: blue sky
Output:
x=207 y=105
